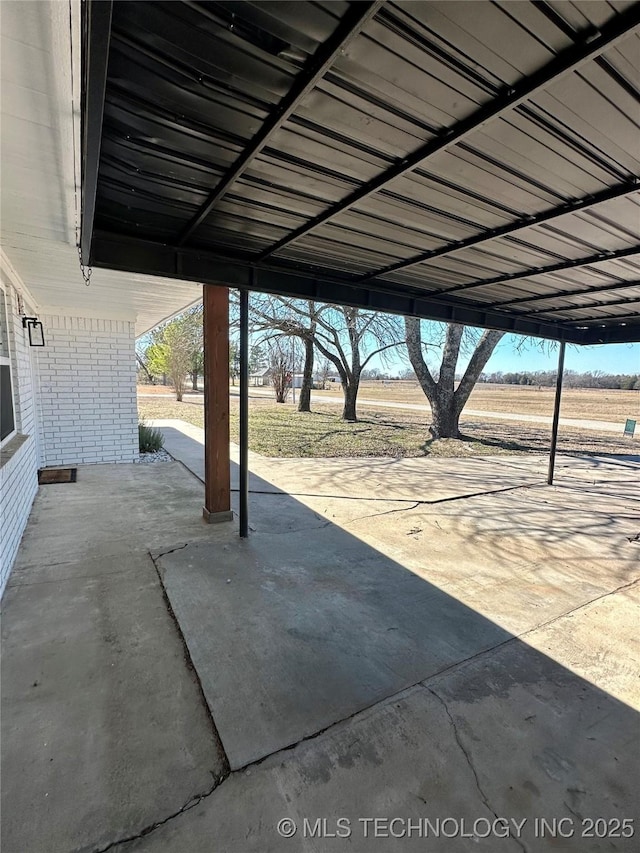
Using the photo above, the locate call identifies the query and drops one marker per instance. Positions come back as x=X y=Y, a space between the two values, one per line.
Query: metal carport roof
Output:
x=466 y=161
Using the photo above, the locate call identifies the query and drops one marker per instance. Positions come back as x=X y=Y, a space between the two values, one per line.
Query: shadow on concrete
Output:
x=305 y=625
x=414 y=663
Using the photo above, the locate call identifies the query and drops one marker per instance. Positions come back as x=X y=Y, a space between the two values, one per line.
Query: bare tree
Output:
x=295 y=319
x=347 y=337
x=281 y=373
x=322 y=375
x=304 y=400
x=447 y=401
x=350 y=338
x=408 y=374
x=234 y=360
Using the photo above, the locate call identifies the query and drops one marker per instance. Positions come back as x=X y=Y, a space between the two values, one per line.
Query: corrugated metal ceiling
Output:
x=473 y=155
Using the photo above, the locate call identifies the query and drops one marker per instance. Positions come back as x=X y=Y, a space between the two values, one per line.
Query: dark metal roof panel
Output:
x=623 y=59
x=595 y=13
x=192 y=85
x=615 y=269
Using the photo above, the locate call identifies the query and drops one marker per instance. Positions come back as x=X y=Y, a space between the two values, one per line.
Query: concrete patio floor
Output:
x=401 y=639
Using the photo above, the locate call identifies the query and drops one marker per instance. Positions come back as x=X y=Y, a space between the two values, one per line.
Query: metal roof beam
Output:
x=356 y=17
x=588 y=48
x=598 y=258
x=629 y=300
x=568 y=30
x=96 y=24
x=112 y=251
x=541 y=297
x=601 y=322
x=580 y=204
x=624 y=333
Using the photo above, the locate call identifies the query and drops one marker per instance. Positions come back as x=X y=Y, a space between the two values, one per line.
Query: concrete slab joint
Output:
x=423 y=661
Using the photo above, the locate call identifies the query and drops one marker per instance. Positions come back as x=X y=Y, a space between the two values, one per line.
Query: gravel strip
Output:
x=156 y=456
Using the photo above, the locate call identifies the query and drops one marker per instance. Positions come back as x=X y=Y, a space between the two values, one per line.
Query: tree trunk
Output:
x=350 y=397
x=194 y=380
x=304 y=401
x=145 y=368
x=348 y=380
x=445 y=416
x=446 y=401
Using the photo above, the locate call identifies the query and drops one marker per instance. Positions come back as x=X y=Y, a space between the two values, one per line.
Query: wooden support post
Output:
x=217 y=469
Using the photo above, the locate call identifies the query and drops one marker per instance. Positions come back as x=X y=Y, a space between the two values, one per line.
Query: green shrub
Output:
x=149 y=439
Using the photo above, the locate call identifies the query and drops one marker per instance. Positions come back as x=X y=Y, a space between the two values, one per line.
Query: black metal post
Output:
x=244 y=412
x=556 y=415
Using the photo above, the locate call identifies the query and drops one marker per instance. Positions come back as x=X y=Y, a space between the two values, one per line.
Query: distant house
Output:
x=263 y=378
x=260 y=377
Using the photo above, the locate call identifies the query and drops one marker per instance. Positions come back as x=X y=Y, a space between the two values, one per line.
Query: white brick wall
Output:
x=75 y=402
x=87 y=391
x=19 y=473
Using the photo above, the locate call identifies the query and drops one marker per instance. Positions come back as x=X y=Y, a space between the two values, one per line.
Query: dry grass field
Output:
x=279 y=430
x=583 y=403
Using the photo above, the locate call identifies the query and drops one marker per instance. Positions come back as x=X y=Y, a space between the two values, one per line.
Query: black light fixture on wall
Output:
x=36 y=332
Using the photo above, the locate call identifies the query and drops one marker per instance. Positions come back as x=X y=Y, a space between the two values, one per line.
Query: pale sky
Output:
x=609 y=358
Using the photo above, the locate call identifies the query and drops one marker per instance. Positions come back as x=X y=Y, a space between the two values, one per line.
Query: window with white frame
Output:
x=7 y=409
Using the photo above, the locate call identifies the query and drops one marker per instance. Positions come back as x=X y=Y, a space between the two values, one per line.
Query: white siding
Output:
x=19 y=469
x=87 y=379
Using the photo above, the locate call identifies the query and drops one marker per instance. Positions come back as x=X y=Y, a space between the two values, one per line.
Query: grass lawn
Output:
x=278 y=430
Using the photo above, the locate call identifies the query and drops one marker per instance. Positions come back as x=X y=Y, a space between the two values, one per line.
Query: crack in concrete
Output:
x=218 y=778
x=436 y=502
x=414 y=505
x=421 y=682
x=573 y=812
x=189 y=662
x=281 y=494
x=526 y=633
x=191 y=803
x=363 y=499
x=228 y=773
x=258 y=761
x=469 y=761
x=164 y=553
x=575 y=609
